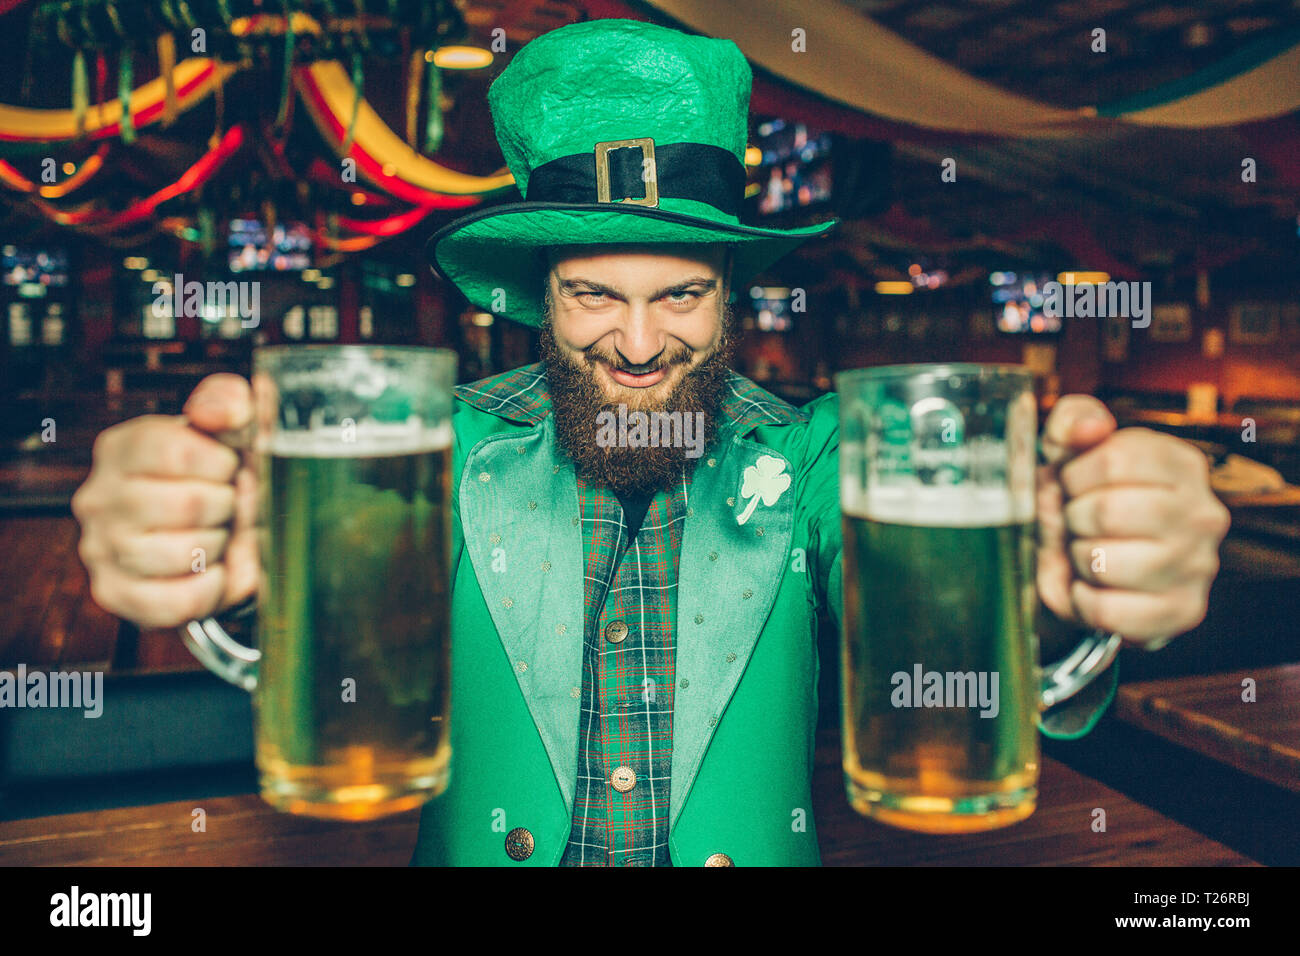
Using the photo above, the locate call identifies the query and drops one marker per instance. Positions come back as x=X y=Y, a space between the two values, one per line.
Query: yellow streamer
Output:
x=55 y=125
x=375 y=136
x=414 y=81
x=166 y=66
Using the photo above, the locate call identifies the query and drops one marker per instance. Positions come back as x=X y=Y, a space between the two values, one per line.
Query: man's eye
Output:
x=692 y=295
x=587 y=296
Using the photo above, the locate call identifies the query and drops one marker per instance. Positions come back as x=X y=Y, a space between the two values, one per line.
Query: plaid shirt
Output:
x=627 y=687
x=626 y=720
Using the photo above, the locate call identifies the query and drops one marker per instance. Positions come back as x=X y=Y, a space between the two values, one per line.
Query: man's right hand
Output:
x=159 y=487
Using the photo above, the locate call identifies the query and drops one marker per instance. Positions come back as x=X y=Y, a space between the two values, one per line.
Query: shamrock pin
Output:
x=766 y=480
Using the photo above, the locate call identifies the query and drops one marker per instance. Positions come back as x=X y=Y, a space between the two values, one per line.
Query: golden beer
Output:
x=353 y=696
x=939 y=674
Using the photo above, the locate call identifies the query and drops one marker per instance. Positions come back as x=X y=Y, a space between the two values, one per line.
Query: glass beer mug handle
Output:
x=1071 y=674
x=221 y=653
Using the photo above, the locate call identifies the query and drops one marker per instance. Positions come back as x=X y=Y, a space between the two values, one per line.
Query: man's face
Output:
x=638 y=320
x=643 y=326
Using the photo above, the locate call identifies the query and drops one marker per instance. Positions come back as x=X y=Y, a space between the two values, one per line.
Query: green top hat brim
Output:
x=495 y=257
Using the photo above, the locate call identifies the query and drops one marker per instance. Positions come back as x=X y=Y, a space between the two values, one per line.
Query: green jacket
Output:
x=744 y=722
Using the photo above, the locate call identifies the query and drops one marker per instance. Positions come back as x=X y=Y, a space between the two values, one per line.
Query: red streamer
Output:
x=192 y=178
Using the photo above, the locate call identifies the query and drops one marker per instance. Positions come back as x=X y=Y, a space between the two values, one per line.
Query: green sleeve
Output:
x=819 y=502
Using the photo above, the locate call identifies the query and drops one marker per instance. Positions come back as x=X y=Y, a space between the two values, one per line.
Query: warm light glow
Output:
x=894 y=288
x=753 y=155
x=325 y=282
x=1083 y=278
x=405 y=279
x=310 y=275
x=69 y=168
x=914 y=269
x=388 y=169
x=135 y=262
x=482 y=319
x=751 y=190
x=358 y=199
x=149 y=275
x=461 y=57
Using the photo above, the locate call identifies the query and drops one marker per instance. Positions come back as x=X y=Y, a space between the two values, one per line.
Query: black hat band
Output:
x=696 y=171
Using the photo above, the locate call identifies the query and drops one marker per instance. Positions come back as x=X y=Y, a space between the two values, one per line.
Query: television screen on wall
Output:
x=288 y=249
x=1018 y=304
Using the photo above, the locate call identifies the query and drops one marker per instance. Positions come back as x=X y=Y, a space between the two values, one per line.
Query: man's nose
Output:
x=640 y=340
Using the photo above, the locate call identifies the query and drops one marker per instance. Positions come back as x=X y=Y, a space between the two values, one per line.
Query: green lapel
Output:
x=728 y=576
x=519 y=509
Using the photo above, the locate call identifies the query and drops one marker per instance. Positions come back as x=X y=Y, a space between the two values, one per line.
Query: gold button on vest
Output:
x=519 y=844
x=615 y=631
x=719 y=859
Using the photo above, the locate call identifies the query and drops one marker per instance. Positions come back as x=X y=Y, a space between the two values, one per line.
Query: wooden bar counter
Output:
x=1206 y=713
x=243 y=831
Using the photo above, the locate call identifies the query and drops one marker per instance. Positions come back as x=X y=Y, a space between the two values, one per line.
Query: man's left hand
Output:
x=1129 y=529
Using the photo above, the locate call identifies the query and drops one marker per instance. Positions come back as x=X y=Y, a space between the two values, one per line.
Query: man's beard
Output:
x=577 y=401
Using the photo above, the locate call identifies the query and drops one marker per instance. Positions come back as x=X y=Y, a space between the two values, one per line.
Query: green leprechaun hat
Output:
x=616 y=131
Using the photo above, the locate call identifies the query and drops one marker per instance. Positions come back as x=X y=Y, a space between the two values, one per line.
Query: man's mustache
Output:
x=593 y=354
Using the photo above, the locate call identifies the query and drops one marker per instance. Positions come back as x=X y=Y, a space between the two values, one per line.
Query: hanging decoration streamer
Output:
x=867 y=67
x=358 y=78
x=124 y=76
x=167 y=67
x=101 y=86
x=12 y=178
x=191 y=179
x=414 y=76
x=433 y=125
x=286 y=81
x=219 y=112
x=382 y=157
x=207 y=230
x=80 y=91
x=195 y=78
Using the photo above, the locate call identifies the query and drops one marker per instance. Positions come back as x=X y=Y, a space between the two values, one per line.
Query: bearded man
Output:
x=634 y=661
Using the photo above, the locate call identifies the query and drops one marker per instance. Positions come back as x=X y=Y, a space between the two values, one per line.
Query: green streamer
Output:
x=359 y=11
x=169 y=12
x=207 y=231
x=186 y=15
x=433 y=122
x=125 y=77
x=80 y=91
x=358 y=82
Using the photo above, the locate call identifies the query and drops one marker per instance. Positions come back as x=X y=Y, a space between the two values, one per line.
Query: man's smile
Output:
x=633 y=380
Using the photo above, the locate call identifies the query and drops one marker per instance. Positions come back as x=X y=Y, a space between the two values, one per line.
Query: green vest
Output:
x=745 y=712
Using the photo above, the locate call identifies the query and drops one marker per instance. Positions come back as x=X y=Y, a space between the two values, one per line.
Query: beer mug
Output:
x=351 y=677
x=941 y=683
